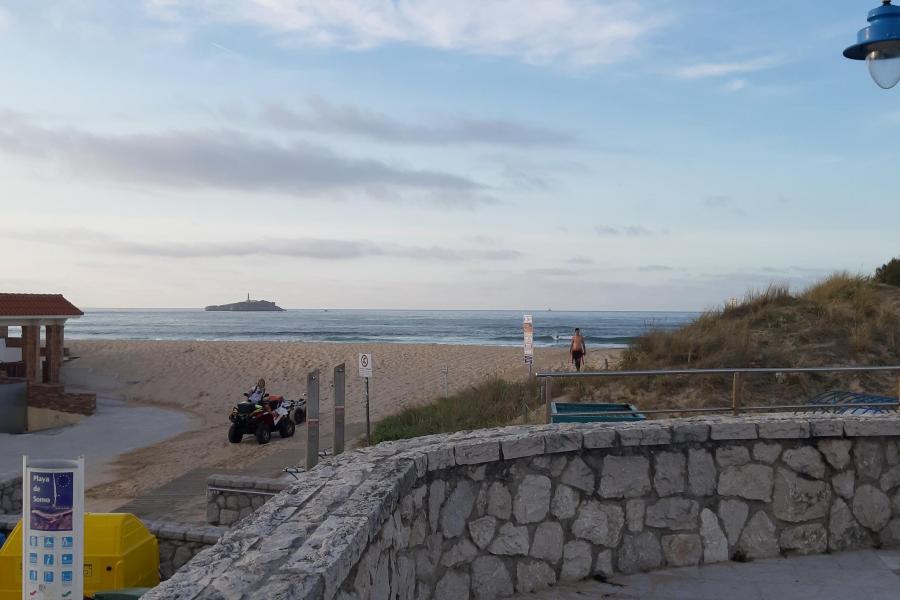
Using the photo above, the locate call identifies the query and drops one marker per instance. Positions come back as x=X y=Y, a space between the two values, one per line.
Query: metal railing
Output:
x=736 y=388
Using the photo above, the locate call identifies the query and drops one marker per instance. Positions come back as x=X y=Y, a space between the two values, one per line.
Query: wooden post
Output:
x=737 y=393
x=312 y=419
x=548 y=397
x=54 y=352
x=339 y=409
x=31 y=352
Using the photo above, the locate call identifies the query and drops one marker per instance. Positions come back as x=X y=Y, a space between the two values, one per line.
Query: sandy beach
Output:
x=205 y=379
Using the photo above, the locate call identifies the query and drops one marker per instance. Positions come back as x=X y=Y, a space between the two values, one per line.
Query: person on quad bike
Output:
x=258 y=392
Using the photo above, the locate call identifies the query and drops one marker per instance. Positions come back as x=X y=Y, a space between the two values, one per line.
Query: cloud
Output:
x=581 y=260
x=570 y=32
x=310 y=248
x=723 y=203
x=228 y=160
x=628 y=231
x=552 y=272
x=325 y=117
x=725 y=69
x=654 y=268
x=735 y=85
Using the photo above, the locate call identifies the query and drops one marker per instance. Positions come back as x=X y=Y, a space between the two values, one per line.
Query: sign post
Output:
x=365 y=371
x=312 y=419
x=528 y=329
x=52 y=529
x=339 y=408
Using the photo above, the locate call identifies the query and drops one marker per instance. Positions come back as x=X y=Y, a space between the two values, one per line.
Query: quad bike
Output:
x=252 y=418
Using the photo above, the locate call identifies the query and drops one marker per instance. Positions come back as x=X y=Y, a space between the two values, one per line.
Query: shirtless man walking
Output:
x=578 y=349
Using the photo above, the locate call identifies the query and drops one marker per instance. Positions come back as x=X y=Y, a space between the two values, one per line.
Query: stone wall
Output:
x=493 y=512
x=230 y=498
x=11 y=493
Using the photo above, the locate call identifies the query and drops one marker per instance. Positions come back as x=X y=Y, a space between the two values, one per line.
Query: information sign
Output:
x=365 y=364
x=528 y=327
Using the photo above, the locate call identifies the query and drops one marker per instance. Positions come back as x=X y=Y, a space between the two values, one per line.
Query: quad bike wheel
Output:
x=234 y=435
x=263 y=435
x=300 y=416
x=286 y=428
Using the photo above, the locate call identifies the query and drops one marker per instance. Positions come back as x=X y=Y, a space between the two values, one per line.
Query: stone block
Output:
x=639 y=552
x=836 y=452
x=844 y=533
x=510 y=541
x=456 y=511
x=732 y=430
x=603 y=565
x=682 y=550
x=477 y=452
x=871 y=507
x=599 y=523
x=668 y=475
x=212 y=513
x=499 y=501
x=454 y=585
x=806 y=460
x=871 y=426
x=599 y=437
x=673 y=513
x=533 y=575
x=548 y=542
x=890 y=479
x=490 y=578
x=701 y=472
x=634 y=515
x=690 y=432
x=577 y=561
x=734 y=515
x=758 y=538
x=715 y=544
x=890 y=535
x=436 y=493
x=563 y=440
x=625 y=477
x=869 y=458
x=532 y=502
x=753 y=482
x=766 y=452
x=482 y=531
x=578 y=475
x=797 y=499
x=729 y=456
x=844 y=483
x=565 y=502
x=522 y=446
x=804 y=539
x=462 y=552
x=645 y=435
x=783 y=429
x=440 y=457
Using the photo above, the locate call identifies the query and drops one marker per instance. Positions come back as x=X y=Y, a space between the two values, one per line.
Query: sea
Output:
x=602 y=329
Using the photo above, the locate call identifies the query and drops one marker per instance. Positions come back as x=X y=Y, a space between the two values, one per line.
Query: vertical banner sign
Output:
x=312 y=419
x=528 y=327
x=52 y=529
x=365 y=371
x=339 y=389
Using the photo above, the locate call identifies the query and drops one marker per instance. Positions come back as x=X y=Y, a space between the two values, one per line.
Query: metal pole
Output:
x=736 y=394
x=368 y=423
x=548 y=397
x=339 y=408
x=312 y=419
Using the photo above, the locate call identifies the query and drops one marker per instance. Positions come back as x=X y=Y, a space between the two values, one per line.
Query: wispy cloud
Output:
x=655 y=268
x=572 y=32
x=323 y=116
x=735 y=85
x=724 y=203
x=229 y=160
x=627 y=231
x=726 y=69
x=310 y=248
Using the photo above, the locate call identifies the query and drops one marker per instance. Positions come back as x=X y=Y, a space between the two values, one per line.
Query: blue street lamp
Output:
x=879 y=45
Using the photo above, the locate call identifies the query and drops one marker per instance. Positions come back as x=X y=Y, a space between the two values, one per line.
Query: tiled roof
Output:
x=37 y=305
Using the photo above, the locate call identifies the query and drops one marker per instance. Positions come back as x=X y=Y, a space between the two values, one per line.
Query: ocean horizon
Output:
x=603 y=329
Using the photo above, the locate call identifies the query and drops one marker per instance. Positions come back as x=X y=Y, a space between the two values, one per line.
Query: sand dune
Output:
x=207 y=378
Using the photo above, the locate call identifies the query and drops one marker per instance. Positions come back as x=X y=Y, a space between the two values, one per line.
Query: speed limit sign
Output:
x=365 y=365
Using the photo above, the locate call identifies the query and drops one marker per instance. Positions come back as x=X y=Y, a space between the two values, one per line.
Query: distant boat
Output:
x=247 y=305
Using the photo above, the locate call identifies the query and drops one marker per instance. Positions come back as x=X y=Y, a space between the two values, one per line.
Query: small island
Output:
x=247 y=305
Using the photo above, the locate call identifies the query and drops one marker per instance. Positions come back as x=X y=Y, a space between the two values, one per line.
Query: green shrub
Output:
x=889 y=272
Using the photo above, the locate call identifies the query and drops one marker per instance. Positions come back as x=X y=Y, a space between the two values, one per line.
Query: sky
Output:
x=425 y=154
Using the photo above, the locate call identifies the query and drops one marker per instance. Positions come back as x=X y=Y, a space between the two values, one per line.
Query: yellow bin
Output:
x=119 y=553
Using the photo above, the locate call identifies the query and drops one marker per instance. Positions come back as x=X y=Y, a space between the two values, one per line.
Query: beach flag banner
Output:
x=365 y=364
x=528 y=327
x=52 y=529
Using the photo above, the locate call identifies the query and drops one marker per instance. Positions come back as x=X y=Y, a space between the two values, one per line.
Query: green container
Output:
x=573 y=412
x=123 y=594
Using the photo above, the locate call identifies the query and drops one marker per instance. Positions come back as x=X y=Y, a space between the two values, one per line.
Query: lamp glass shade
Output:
x=884 y=67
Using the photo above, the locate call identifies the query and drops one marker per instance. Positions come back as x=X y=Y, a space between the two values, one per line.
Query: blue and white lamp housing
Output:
x=879 y=45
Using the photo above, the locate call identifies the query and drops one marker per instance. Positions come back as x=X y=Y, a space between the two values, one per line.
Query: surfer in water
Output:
x=578 y=349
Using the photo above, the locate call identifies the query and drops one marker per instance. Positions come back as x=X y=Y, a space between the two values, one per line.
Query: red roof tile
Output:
x=37 y=305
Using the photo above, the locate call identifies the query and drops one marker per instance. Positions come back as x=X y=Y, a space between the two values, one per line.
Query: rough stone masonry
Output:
x=489 y=513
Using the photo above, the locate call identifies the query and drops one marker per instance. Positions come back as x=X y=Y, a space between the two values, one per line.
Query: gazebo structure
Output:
x=31 y=312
